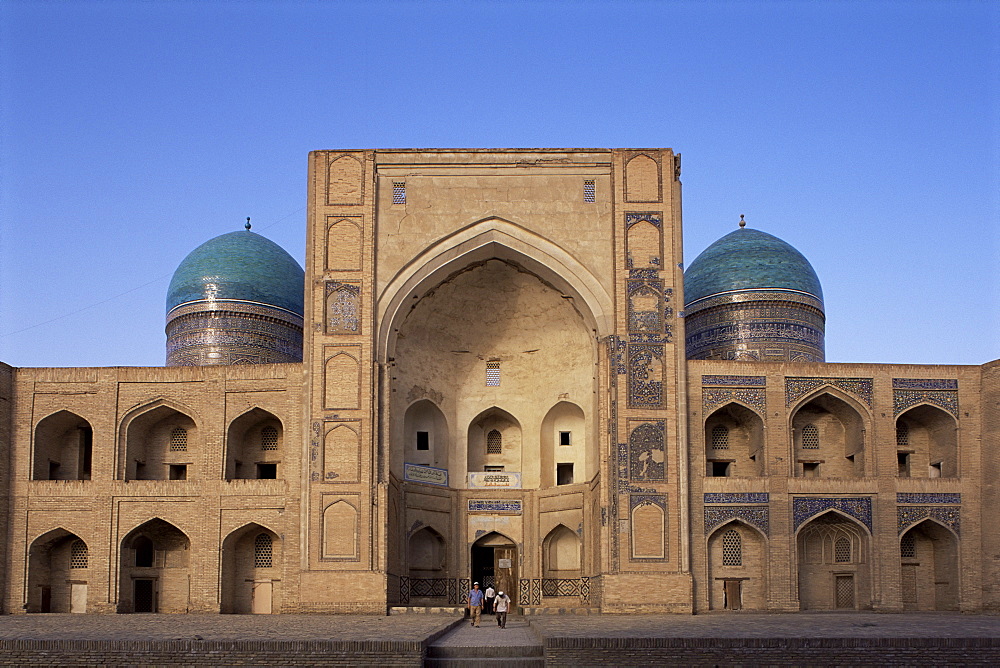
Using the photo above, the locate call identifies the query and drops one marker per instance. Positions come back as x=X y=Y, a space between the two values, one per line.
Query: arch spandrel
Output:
x=493 y=238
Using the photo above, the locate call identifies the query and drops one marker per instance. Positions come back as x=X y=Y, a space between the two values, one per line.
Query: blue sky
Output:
x=865 y=134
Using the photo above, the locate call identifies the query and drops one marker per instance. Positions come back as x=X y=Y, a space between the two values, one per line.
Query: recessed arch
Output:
x=564 y=445
x=561 y=553
x=494 y=439
x=834 y=563
x=426 y=553
x=426 y=438
x=930 y=446
x=737 y=573
x=734 y=441
x=145 y=450
x=837 y=426
x=58 y=572
x=63 y=447
x=251 y=570
x=254 y=445
x=929 y=566
x=154 y=568
x=492 y=238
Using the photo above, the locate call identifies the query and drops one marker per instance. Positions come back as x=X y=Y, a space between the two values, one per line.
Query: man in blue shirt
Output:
x=475 y=601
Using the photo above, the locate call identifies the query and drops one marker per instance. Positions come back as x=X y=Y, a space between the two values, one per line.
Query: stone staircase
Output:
x=466 y=646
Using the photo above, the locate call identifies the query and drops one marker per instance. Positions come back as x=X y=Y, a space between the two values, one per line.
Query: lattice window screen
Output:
x=842 y=551
x=179 y=440
x=399 y=192
x=908 y=546
x=268 y=438
x=720 y=438
x=493 y=373
x=810 y=437
x=902 y=434
x=732 y=549
x=262 y=550
x=494 y=442
x=589 y=191
x=79 y=555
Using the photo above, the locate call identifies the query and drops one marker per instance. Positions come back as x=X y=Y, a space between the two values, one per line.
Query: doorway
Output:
x=144 y=595
x=494 y=562
x=732 y=594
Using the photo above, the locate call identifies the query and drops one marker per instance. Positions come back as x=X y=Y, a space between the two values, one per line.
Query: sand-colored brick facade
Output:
x=494 y=387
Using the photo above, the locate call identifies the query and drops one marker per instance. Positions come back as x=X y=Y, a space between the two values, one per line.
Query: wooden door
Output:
x=260 y=598
x=78 y=597
x=505 y=571
x=734 y=595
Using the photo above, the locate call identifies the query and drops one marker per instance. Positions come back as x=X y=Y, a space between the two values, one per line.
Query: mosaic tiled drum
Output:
x=236 y=299
x=751 y=296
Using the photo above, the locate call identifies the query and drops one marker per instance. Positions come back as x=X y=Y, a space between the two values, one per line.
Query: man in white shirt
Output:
x=502 y=606
x=488 y=605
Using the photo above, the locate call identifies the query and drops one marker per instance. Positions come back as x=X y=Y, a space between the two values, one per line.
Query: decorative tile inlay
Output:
x=495 y=506
x=646 y=450
x=636 y=500
x=316 y=464
x=796 y=388
x=757 y=516
x=907 y=516
x=633 y=218
x=645 y=376
x=946 y=399
x=712 y=398
x=806 y=507
x=908 y=497
x=737 y=497
x=343 y=307
x=734 y=381
x=924 y=384
x=645 y=305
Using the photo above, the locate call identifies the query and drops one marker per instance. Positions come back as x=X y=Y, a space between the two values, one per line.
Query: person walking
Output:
x=502 y=605
x=488 y=605
x=475 y=601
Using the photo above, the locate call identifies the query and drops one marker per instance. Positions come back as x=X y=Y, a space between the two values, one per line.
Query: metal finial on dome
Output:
x=743 y=223
x=248 y=224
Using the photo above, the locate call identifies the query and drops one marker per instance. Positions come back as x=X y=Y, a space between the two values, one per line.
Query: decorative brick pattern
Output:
x=343 y=307
x=645 y=376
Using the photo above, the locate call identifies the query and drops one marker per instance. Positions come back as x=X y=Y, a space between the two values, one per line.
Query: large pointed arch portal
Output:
x=493 y=238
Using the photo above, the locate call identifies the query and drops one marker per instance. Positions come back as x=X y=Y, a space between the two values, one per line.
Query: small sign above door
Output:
x=494 y=480
x=503 y=563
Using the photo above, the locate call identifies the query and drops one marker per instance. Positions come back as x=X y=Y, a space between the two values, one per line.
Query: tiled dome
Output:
x=241 y=266
x=749 y=259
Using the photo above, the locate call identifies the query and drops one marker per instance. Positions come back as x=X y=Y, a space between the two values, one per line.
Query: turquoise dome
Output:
x=749 y=259
x=241 y=266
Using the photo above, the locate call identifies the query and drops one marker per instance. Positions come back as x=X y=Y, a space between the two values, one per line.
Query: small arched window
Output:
x=78 y=555
x=494 y=442
x=262 y=551
x=902 y=434
x=810 y=437
x=179 y=440
x=732 y=549
x=268 y=438
x=720 y=437
x=842 y=551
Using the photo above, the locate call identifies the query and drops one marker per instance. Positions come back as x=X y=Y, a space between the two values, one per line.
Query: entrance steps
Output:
x=429 y=610
x=466 y=646
x=539 y=610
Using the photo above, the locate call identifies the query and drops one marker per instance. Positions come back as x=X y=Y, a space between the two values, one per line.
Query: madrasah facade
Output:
x=494 y=367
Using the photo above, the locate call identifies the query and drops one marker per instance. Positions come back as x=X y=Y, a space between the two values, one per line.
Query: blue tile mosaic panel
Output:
x=712 y=398
x=807 y=507
x=737 y=497
x=495 y=506
x=645 y=306
x=734 y=381
x=924 y=384
x=636 y=500
x=757 y=516
x=343 y=307
x=645 y=376
x=912 y=497
x=907 y=516
x=647 y=456
x=796 y=388
x=904 y=399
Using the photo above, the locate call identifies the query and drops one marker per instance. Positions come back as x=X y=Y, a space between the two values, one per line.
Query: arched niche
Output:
x=63 y=448
x=834 y=566
x=425 y=439
x=495 y=562
x=492 y=238
x=341 y=381
x=154 y=569
x=642 y=179
x=561 y=558
x=58 y=573
x=426 y=554
x=160 y=442
x=734 y=442
x=564 y=449
x=343 y=246
x=929 y=567
x=927 y=443
x=644 y=246
x=254 y=446
x=648 y=531
x=494 y=441
x=344 y=180
x=251 y=571
x=737 y=577
x=340 y=531
x=829 y=434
